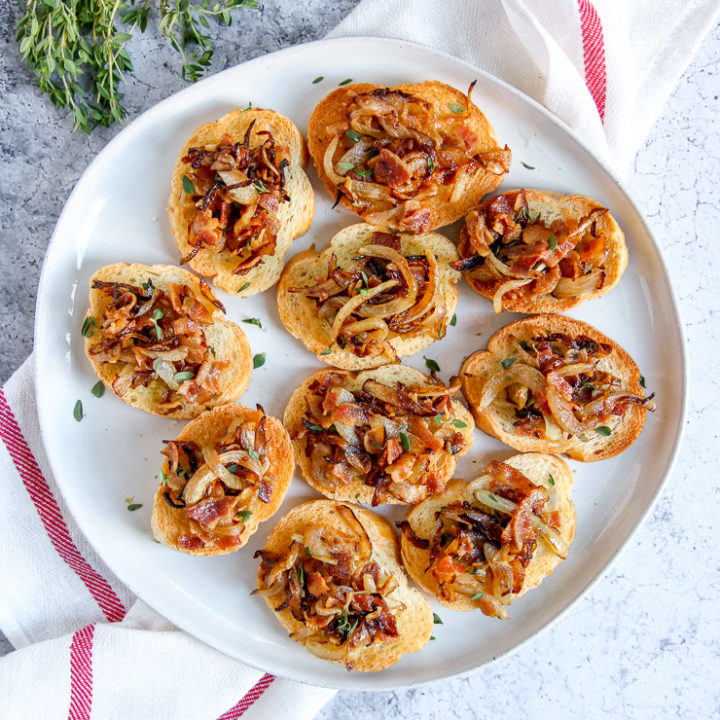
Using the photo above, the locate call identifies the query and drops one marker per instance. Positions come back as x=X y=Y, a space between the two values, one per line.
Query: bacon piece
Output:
x=209 y=512
x=467 y=136
x=418 y=221
x=419 y=428
x=190 y=542
x=206 y=229
x=387 y=239
x=264 y=492
x=316 y=584
x=390 y=169
x=268 y=202
x=519 y=534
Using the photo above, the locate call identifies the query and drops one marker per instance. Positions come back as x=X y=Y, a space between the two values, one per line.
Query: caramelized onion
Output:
x=529 y=376
x=195 y=489
x=357 y=528
x=430 y=288
x=355 y=302
x=567 y=288
x=368 y=191
x=356 y=154
x=564 y=415
x=377 y=328
x=328 y=165
x=330 y=307
x=507 y=507
x=388 y=253
x=505 y=288
x=212 y=459
x=346 y=432
x=604 y=406
x=166 y=372
x=241 y=457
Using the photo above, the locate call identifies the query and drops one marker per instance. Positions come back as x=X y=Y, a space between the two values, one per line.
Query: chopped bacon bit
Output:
x=418 y=221
x=190 y=542
x=390 y=169
x=316 y=584
x=209 y=512
x=387 y=239
x=265 y=492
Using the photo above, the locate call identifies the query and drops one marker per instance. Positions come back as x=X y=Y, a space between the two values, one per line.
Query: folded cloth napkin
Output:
x=87 y=647
x=604 y=67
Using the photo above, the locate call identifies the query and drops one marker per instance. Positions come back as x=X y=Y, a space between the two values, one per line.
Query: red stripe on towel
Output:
x=249 y=699
x=81 y=674
x=51 y=517
x=593 y=54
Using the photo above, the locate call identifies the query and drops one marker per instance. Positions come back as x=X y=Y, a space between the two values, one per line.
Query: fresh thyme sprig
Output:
x=76 y=49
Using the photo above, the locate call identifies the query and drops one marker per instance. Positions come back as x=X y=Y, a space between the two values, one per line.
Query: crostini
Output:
x=331 y=573
x=156 y=335
x=226 y=472
x=371 y=297
x=389 y=435
x=485 y=543
x=553 y=384
x=239 y=198
x=411 y=158
x=534 y=251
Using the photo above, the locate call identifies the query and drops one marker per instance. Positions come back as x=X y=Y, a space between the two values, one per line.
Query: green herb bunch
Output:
x=76 y=49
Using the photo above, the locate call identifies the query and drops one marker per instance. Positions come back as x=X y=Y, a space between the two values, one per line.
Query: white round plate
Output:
x=117 y=212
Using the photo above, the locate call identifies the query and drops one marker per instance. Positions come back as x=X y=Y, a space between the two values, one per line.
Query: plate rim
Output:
x=44 y=416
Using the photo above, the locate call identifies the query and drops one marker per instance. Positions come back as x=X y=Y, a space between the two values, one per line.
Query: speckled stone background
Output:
x=644 y=641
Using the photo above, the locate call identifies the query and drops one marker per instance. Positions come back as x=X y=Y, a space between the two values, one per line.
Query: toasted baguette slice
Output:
x=387 y=436
x=420 y=156
x=300 y=311
x=553 y=408
x=466 y=581
x=196 y=511
x=220 y=374
x=263 y=266
x=364 y=555
x=534 y=251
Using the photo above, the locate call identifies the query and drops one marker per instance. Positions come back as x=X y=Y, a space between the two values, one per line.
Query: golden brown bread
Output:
x=554 y=384
x=341 y=545
x=411 y=158
x=459 y=566
x=400 y=452
x=247 y=241
x=205 y=511
x=302 y=296
x=182 y=354
x=534 y=251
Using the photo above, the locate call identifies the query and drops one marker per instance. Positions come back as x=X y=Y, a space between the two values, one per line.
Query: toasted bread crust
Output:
x=295 y=216
x=331 y=113
x=537 y=468
x=552 y=206
x=504 y=344
x=227 y=340
x=358 y=491
x=299 y=313
x=412 y=613
x=169 y=524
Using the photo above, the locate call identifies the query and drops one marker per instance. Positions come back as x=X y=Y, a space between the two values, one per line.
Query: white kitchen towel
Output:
x=604 y=67
x=86 y=647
